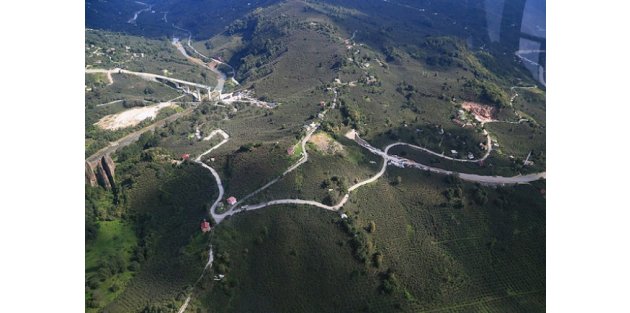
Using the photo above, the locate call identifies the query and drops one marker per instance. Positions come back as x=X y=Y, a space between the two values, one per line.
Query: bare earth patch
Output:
x=325 y=144
x=483 y=113
x=351 y=134
x=131 y=117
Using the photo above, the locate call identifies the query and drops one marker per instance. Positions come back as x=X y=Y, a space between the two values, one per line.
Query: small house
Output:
x=185 y=156
x=291 y=150
x=231 y=200
x=344 y=216
x=454 y=152
x=205 y=226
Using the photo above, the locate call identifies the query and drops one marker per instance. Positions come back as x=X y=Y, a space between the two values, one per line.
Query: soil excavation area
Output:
x=325 y=144
x=483 y=113
x=131 y=117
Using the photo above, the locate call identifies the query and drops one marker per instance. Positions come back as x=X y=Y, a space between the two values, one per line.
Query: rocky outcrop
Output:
x=110 y=168
x=103 y=180
x=102 y=173
x=90 y=177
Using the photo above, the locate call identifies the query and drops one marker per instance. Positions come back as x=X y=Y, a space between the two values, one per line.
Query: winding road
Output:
x=217 y=178
x=137 y=13
x=541 y=69
x=485 y=156
x=389 y=159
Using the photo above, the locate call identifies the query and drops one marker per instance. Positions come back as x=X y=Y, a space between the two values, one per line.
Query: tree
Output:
x=480 y=196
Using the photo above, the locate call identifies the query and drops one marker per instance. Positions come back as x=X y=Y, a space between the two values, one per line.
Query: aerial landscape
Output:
x=315 y=156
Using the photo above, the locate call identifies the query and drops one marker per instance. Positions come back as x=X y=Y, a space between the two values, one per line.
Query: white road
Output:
x=483 y=179
x=137 y=13
x=217 y=178
x=221 y=77
x=108 y=103
x=301 y=161
x=147 y=76
x=485 y=156
x=401 y=162
x=541 y=69
x=182 y=308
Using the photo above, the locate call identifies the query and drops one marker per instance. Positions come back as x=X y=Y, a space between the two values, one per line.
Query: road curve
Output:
x=217 y=178
x=483 y=179
x=485 y=156
x=401 y=162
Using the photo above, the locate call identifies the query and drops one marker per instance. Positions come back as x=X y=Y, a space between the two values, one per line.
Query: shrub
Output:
x=377 y=259
x=371 y=227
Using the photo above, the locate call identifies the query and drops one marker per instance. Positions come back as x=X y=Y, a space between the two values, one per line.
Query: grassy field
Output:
x=484 y=254
x=219 y=46
x=109 y=50
x=125 y=87
x=115 y=240
x=462 y=251
x=289 y=259
x=165 y=205
x=518 y=140
x=324 y=177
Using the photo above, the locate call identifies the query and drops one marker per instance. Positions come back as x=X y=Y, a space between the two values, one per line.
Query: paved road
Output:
x=541 y=69
x=217 y=178
x=485 y=156
x=295 y=201
x=135 y=15
x=147 y=76
x=494 y=180
x=401 y=162
x=108 y=103
x=303 y=159
x=221 y=77
x=110 y=79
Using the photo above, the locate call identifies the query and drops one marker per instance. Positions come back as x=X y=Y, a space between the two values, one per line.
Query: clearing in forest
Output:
x=324 y=143
x=483 y=113
x=131 y=117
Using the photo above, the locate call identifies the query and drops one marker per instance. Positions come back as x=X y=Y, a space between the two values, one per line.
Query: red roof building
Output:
x=231 y=200
x=205 y=226
x=291 y=150
x=185 y=156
